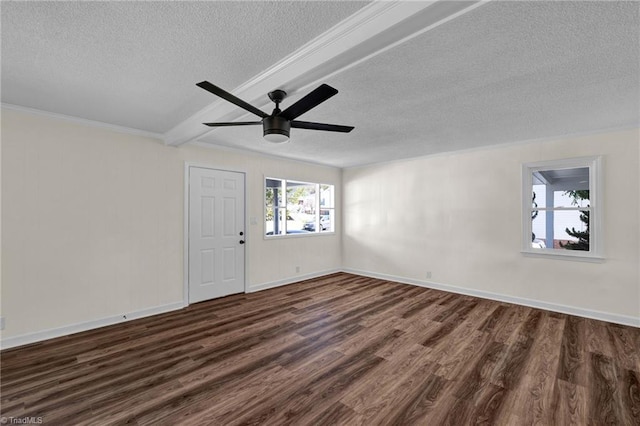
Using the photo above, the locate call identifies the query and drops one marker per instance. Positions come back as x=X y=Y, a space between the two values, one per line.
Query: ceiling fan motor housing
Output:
x=276 y=125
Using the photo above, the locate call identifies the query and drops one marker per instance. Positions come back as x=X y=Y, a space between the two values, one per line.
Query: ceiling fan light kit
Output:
x=277 y=125
x=276 y=129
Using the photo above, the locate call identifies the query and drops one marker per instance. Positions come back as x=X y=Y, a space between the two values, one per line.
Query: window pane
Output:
x=571 y=230
x=301 y=197
x=327 y=220
x=559 y=189
x=301 y=205
x=268 y=221
x=538 y=229
x=294 y=222
x=273 y=192
x=274 y=224
x=539 y=196
x=326 y=196
x=571 y=198
x=268 y=215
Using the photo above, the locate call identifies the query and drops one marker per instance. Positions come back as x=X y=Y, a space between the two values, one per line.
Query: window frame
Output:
x=595 y=253
x=318 y=205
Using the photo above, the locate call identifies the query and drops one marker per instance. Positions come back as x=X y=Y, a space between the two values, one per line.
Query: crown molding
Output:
x=377 y=27
x=83 y=121
x=504 y=145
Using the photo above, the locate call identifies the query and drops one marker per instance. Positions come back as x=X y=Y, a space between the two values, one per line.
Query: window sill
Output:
x=571 y=256
x=309 y=235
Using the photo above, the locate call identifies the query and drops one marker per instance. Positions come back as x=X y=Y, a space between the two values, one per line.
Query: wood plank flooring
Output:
x=341 y=349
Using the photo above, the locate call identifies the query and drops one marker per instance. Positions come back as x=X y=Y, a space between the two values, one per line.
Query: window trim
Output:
x=319 y=208
x=595 y=254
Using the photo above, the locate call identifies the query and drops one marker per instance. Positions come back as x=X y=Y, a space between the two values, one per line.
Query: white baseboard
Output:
x=25 y=339
x=564 y=309
x=291 y=280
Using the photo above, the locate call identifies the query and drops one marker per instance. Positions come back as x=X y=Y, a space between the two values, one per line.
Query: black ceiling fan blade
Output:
x=233 y=123
x=321 y=126
x=311 y=100
x=229 y=97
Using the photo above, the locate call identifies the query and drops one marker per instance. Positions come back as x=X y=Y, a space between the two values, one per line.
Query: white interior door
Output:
x=216 y=233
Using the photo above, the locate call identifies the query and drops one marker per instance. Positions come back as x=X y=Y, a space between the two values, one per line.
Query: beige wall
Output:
x=459 y=217
x=92 y=222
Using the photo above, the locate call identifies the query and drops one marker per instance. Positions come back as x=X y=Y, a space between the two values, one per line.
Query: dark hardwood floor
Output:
x=341 y=349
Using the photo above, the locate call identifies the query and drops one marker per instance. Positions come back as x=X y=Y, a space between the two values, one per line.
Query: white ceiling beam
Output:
x=377 y=27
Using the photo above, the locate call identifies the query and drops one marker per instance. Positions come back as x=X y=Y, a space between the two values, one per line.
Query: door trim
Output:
x=185 y=244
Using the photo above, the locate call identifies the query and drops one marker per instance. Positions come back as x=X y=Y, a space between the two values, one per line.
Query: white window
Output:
x=562 y=209
x=298 y=208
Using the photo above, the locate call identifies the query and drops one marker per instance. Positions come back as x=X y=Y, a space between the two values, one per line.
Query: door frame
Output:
x=185 y=247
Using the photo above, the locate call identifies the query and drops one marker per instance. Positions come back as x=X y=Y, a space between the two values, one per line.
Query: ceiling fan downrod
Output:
x=277 y=96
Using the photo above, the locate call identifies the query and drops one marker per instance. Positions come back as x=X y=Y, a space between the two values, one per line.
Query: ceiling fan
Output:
x=276 y=125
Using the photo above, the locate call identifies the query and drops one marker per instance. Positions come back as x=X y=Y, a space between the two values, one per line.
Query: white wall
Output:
x=459 y=217
x=92 y=224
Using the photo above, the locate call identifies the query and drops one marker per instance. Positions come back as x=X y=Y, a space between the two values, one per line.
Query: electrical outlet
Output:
x=297 y=269
x=428 y=275
x=1 y=323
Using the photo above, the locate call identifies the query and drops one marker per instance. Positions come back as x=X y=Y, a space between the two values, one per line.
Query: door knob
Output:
x=241 y=241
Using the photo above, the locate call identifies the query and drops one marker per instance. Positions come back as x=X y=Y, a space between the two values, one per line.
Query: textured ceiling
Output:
x=135 y=63
x=503 y=72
